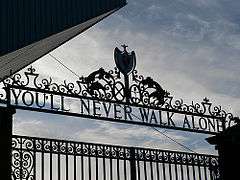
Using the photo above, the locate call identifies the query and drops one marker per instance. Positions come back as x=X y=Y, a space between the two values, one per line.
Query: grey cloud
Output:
x=191 y=47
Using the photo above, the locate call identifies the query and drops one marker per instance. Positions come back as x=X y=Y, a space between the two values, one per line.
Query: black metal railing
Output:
x=49 y=159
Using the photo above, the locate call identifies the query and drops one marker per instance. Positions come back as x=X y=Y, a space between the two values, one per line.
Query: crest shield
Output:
x=125 y=62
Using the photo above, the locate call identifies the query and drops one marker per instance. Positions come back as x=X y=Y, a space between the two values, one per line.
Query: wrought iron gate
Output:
x=51 y=159
x=104 y=95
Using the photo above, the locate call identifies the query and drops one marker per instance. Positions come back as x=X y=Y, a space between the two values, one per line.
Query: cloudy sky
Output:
x=191 y=47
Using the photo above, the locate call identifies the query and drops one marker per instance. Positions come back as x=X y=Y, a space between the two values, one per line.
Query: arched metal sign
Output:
x=104 y=95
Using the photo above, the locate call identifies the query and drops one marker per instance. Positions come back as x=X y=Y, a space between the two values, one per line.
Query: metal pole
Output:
x=127 y=90
x=132 y=163
x=6 y=117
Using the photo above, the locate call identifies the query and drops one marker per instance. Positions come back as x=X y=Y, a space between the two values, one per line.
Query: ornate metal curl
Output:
x=22 y=159
x=109 y=85
x=214 y=168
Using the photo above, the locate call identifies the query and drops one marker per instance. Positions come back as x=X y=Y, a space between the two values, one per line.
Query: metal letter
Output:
x=96 y=108
x=169 y=118
x=16 y=96
x=24 y=98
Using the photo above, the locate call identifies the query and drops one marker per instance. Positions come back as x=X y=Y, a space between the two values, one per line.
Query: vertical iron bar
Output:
x=151 y=170
x=145 y=169
x=223 y=124
x=163 y=166
x=74 y=161
x=42 y=156
x=181 y=166
x=104 y=168
x=51 y=149
x=96 y=167
x=111 y=167
x=199 y=168
x=132 y=163
x=170 y=170
x=127 y=91
x=125 y=165
x=34 y=159
x=158 y=174
x=169 y=166
x=89 y=167
x=193 y=171
x=82 y=162
x=175 y=165
x=59 y=161
x=164 y=171
x=118 y=174
x=21 y=158
x=66 y=160
x=138 y=167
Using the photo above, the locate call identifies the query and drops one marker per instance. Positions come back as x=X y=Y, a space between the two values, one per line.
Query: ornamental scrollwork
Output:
x=26 y=146
x=110 y=85
x=214 y=168
x=22 y=159
x=176 y=158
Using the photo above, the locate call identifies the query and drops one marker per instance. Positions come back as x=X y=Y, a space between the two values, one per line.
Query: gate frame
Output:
x=6 y=119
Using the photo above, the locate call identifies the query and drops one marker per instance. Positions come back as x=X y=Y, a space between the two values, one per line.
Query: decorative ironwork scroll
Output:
x=114 y=96
x=33 y=158
x=22 y=159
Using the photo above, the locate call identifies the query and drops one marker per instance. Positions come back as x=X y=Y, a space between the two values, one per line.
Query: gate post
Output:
x=132 y=163
x=228 y=145
x=6 y=115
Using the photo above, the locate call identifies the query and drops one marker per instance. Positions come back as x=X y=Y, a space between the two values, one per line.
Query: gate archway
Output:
x=110 y=96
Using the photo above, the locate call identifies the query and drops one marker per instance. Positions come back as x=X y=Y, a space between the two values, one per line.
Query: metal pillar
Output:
x=6 y=115
x=228 y=145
